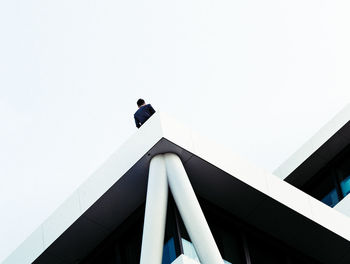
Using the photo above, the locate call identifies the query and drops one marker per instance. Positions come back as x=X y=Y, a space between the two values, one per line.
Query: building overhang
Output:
x=251 y=194
x=324 y=146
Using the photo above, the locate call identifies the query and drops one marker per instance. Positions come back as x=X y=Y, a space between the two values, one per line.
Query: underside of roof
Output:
x=118 y=188
x=324 y=146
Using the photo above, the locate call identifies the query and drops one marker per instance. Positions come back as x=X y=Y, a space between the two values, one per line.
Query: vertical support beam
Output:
x=191 y=211
x=155 y=213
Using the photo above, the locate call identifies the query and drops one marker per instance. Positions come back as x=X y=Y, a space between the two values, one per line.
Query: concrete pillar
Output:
x=155 y=213
x=190 y=211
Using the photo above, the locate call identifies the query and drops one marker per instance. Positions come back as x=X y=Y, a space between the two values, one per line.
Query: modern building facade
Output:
x=167 y=195
x=321 y=167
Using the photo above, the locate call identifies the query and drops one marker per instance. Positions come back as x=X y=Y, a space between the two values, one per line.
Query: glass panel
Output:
x=323 y=187
x=169 y=253
x=130 y=249
x=123 y=245
x=171 y=248
x=331 y=198
x=262 y=251
x=228 y=240
x=343 y=172
x=345 y=186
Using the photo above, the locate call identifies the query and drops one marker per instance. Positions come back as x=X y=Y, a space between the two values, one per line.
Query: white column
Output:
x=191 y=213
x=155 y=213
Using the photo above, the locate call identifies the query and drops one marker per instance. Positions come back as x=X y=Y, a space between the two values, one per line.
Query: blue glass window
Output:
x=331 y=198
x=169 y=253
x=345 y=186
x=332 y=183
x=343 y=173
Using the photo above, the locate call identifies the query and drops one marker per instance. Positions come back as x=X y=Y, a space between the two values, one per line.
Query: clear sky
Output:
x=260 y=77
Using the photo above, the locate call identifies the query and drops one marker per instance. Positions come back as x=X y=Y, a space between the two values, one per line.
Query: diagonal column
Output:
x=191 y=212
x=155 y=213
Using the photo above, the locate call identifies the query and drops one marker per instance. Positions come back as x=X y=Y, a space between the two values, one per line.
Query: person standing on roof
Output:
x=144 y=112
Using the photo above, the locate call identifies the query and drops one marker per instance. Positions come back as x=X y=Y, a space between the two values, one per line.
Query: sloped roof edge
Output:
x=329 y=141
x=141 y=147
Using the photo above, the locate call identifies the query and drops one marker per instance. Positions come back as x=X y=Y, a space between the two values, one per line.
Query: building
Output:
x=167 y=195
x=321 y=167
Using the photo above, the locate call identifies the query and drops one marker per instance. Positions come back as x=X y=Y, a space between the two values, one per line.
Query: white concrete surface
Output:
x=64 y=216
x=155 y=213
x=191 y=212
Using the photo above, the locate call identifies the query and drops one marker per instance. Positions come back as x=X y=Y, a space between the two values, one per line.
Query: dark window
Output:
x=262 y=251
x=169 y=252
x=345 y=186
x=130 y=245
x=227 y=236
x=238 y=242
x=172 y=244
x=343 y=173
x=324 y=188
x=123 y=246
x=332 y=183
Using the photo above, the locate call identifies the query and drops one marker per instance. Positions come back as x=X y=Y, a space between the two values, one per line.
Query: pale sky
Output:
x=260 y=77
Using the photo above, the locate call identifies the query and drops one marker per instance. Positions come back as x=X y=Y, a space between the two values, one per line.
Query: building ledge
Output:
x=118 y=187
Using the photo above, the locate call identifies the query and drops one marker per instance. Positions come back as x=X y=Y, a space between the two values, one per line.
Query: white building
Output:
x=167 y=195
x=321 y=167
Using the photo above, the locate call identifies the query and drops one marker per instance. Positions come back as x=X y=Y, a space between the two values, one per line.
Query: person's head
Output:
x=140 y=102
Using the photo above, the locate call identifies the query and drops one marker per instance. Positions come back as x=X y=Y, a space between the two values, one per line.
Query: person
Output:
x=144 y=112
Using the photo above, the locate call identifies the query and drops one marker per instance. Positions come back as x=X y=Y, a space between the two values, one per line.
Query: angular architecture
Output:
x=321 y=167
x=169 y=196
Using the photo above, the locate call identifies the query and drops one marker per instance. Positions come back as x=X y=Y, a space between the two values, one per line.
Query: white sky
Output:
x=259 y=76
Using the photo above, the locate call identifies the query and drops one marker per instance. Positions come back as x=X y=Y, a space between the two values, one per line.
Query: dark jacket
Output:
x=142 y=114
